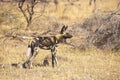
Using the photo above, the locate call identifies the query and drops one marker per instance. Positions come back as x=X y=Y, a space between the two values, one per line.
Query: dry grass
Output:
x=66 y=13
x=80 y=65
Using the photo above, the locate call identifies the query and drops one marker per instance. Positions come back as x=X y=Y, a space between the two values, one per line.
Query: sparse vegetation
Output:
x=79 y=63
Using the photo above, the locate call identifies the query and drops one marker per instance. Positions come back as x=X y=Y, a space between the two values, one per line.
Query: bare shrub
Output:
x=101 y=30
x=104 y=31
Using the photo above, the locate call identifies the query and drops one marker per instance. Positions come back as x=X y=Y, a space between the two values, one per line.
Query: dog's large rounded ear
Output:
x=63 y=29
x=66 y=28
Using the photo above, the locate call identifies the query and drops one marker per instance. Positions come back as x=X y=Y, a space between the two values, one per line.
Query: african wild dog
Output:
x=47 y=43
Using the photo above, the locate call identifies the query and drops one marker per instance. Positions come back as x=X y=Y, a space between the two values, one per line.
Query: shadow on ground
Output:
x=18 y=65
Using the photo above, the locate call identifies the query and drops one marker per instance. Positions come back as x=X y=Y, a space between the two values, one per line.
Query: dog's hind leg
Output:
x=29 y=52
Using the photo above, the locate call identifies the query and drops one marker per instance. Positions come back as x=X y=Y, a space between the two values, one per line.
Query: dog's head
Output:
x=63 y=35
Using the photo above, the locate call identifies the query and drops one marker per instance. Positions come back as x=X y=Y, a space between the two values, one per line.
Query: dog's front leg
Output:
x=54 y=57
x=56 y=61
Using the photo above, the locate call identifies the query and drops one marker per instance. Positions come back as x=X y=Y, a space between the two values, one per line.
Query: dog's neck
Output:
x=58 y=37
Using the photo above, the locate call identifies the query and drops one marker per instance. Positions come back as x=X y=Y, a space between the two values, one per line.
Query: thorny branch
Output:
x=29 y=10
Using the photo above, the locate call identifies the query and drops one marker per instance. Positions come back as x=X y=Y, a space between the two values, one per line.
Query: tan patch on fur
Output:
x=58 y=36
